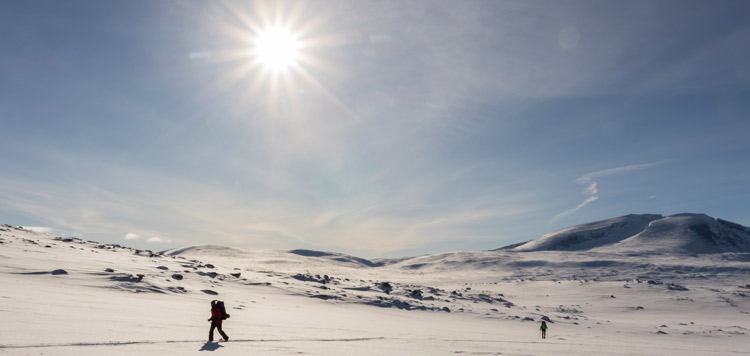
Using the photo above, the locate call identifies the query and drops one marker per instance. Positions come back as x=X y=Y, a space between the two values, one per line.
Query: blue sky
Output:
x=405 y=128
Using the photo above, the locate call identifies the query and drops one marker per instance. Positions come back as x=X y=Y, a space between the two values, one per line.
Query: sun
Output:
x=276 y=48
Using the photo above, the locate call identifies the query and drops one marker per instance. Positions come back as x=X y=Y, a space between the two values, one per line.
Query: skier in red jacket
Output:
x=216 y=322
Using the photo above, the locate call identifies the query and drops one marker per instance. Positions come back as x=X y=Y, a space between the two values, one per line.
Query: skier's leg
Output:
x=221 y=332
x=211 y=332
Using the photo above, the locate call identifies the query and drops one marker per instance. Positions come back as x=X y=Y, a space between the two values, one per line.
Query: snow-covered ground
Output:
x=72 y=297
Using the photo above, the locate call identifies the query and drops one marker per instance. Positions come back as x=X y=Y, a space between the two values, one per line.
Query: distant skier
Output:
x=217 y=317
x=543 y=328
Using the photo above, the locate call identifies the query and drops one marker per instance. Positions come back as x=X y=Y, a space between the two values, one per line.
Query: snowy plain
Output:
x=65 y=296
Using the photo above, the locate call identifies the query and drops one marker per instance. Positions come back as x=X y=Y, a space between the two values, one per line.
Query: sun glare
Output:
x=276 y=48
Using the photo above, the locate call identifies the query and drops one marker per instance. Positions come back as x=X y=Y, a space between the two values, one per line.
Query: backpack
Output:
x=220 y=305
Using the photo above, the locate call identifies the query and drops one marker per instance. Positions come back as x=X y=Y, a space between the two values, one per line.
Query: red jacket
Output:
x=216 y=315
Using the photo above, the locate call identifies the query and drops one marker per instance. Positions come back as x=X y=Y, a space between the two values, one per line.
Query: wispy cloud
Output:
x=592 y=186
x=154 y=239
x=131 y=236
x=579 y=207
x=158 y=240
x=592 y=189
x=588 y=177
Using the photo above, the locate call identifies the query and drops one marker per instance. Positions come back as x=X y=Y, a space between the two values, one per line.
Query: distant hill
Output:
x=646 y=233
x=624 y=247
x=206 y=250
x=336 y=257
x=274 y=256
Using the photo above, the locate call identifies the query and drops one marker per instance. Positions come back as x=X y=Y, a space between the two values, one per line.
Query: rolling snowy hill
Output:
x=676 y=234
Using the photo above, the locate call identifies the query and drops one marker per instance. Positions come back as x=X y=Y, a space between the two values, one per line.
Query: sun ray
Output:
x=277 y=62
x=309 y=78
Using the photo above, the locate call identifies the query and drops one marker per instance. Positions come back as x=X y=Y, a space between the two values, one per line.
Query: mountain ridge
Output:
x=615 y=244
x=685 y=233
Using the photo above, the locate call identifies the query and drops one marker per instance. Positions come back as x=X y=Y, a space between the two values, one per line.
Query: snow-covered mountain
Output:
x=648 y=233
x=612 y=249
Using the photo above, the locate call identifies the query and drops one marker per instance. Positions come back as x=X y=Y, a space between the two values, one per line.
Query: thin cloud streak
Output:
x=572 y=211
x=593 y=186
x=588 y=177
x=592 y=189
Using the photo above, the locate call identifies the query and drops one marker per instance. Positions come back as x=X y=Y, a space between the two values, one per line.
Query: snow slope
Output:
x=72 y=297
x=591 y=235
x=687 y=234
x=633 y=234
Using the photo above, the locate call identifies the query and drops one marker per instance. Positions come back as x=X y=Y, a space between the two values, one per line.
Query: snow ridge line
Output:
x=150 y=342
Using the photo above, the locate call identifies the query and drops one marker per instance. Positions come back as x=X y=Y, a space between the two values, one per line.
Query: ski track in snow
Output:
x=334 y=340
x=154 y=342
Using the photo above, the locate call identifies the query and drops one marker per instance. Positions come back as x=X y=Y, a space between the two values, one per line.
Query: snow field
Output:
x=101 y=306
